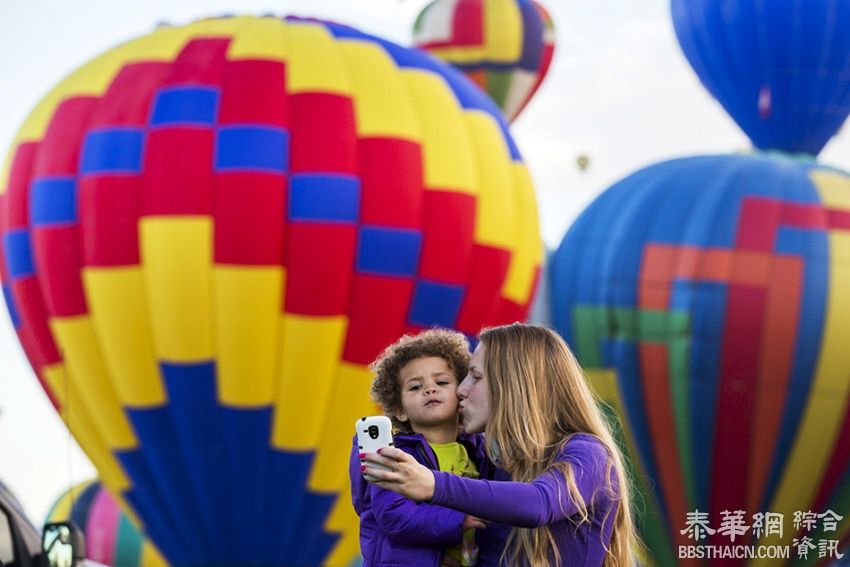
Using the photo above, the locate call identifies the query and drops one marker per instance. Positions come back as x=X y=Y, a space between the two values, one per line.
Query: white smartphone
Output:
x=373 y=433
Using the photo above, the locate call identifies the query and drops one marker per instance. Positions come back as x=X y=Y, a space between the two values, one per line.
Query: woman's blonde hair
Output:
x=538 y=399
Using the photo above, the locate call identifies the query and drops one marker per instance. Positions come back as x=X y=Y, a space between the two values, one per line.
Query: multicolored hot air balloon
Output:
x=111 y=536
x=505 y=46
x=210 y=231
x=780 y=69
x=707 y=296
x=708 y=300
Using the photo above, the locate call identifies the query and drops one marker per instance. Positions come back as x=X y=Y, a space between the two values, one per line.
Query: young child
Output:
x=415 y=382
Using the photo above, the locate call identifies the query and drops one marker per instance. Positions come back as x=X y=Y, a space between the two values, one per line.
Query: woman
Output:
x=569 y=495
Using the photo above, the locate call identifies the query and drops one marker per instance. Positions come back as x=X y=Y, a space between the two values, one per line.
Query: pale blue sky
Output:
x=619 y=91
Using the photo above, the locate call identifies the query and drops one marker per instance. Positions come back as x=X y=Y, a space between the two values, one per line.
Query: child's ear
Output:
x=401 y=415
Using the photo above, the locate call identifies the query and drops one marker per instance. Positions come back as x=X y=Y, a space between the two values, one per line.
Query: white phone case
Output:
x=373 y=433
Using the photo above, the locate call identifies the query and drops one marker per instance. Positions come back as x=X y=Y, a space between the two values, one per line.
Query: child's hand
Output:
x=472 y=522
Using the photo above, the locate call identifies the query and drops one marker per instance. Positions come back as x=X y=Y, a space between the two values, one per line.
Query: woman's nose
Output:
x=463 y=388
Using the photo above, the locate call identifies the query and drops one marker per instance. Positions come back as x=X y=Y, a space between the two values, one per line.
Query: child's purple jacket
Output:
x=397 y=531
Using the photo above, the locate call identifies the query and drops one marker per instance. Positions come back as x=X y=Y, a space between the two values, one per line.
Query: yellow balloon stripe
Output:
x=264 y=38
x=119 y=315
x=84 y=367
x=308 y=355
x=496 y=222
x=248 y=304
x=446 y=146
x=381 y=102
x=315 y=64
x=460 y=55
x=177 y=268
x=827 y=404
x=526 y=247
x=503 y=31
x=77 y=417
x=349 y=401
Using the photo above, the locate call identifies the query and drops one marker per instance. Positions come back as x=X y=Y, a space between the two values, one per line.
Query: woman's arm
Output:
x=525 y=505
x=543 y=501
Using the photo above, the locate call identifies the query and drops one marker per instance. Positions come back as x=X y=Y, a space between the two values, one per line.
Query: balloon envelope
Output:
x=504 y=46
x=210 y=231
x=781 y=69
x=707 y=299
x=111 y=536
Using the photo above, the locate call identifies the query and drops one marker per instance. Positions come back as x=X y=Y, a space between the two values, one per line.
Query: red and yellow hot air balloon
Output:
x=504 y=46
x=210 y=231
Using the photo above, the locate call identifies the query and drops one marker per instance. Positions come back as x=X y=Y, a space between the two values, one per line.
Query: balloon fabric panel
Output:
x=719 y=306
x=243 y=213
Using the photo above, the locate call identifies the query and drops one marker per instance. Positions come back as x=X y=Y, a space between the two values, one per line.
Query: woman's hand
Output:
x=405 y=476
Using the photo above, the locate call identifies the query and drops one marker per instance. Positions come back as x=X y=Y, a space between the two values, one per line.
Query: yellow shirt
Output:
x=453 y=458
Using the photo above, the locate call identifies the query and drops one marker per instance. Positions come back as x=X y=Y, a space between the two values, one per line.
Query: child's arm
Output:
x=415 y=523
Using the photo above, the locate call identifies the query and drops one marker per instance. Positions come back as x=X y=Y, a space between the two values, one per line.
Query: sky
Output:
x=619 y=91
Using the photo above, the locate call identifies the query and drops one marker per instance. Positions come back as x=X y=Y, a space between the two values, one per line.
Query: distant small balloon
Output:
x=503 y=46
x=583 y=162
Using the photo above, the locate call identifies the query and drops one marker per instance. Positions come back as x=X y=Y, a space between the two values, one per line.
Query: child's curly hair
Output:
x=451 y=346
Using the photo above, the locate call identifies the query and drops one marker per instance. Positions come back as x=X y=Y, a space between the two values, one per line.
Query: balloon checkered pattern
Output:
x=210 y=231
